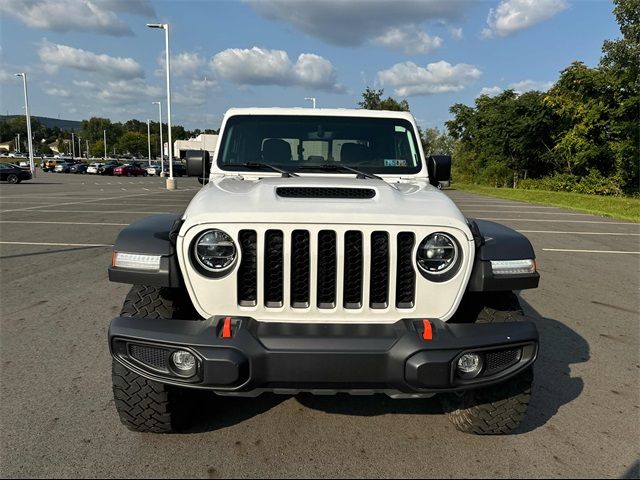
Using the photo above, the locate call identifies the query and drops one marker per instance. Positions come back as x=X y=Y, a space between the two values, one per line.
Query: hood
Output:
x=237 y=199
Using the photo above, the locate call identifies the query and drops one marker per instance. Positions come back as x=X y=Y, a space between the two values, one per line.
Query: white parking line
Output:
x=580 y=233
x=65 y=223
x=501 y=205
x=59 y=244
x=554 y=220
x=93 y=212
x=528 y=212
x=588 y=251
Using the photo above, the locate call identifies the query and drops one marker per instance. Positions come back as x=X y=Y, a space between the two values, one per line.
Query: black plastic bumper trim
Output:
x=269 y=355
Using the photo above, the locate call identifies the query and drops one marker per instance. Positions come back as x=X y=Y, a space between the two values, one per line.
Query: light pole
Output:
x=26 y=110
x=161 y=142
x=171 y=182
x=104 y=132
x=73 y=146
x=313 y=99
x=87 y=149
x=149 y=139
x=79 y=148
x=18 y=146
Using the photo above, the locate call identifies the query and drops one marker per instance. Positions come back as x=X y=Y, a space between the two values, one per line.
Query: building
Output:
x=204 y=141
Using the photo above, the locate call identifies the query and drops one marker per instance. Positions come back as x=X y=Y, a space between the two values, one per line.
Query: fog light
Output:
x=184 y=362
x=469 y=365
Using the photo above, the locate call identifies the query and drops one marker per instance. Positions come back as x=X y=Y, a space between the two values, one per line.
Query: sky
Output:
x=87 y=58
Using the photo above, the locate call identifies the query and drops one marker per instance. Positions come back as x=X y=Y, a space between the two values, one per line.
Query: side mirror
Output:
x=198 y=164
x=439 y=168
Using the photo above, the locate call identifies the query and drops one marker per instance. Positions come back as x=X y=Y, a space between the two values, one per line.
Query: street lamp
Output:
x=161 y=142
x=73 y=146
x=313 y=99
x=87 y=149
x=26 y=110
x=171 y=182
x=149 y=139
x=104 y=132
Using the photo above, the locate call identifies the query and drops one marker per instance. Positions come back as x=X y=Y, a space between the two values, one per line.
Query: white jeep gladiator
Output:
x=321 y=257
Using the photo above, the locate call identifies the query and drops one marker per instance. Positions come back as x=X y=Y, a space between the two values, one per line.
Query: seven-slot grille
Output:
x=343 y=261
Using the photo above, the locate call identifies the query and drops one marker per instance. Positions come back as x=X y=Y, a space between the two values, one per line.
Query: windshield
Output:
x=373 y=145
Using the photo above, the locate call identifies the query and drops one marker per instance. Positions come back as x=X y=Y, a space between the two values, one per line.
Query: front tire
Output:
x=13 y=178
x=142 y=404
x=498 y=409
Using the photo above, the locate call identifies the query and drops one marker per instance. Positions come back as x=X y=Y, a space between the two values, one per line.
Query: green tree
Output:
x=133 y=143
x=372 y=100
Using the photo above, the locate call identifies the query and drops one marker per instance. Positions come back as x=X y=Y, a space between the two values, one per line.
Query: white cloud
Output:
x=125 y=92
x=259 y=66
x=77 y=15
x=182 y=64
x=513 y=15
x=410 y=38
x=441 y=77
x=491 y=91
x=528 y=85
x=352 y=23
x=57 y=92
x=84 y=84
x=518 y=87
x=56 y=56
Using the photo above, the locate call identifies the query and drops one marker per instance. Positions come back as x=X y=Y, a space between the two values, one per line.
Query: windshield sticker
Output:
x=394 y=162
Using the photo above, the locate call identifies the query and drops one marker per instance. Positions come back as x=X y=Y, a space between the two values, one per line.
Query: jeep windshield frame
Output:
x=298 y=143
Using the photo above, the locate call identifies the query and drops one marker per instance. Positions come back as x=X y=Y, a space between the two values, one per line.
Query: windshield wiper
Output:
x=284 y=173
x=336 y=168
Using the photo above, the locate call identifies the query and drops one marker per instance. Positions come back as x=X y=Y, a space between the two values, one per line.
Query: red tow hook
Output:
x=427 y=334
x=226 y=328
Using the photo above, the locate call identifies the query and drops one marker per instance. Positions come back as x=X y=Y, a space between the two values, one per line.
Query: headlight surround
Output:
x=439 y=256
x=214 y=252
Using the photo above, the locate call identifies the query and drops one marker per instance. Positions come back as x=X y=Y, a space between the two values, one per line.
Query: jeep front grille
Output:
x=354 y=269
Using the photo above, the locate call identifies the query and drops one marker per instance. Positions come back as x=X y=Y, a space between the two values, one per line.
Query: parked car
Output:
x=78 y=168
x=95 y=168
x=130 y=170
x=13 y=173
x=155 y=168
x=109 y=167
x=63 y=167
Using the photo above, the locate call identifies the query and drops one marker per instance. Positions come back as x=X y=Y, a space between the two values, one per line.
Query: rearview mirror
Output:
x=198 y=164
x=439 y=168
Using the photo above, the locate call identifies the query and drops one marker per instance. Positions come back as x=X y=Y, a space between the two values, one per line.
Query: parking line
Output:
x=529 y=212
x=580 y=233
x=59 y=244
x=66 y=223
x=93 y=212
x=554 y=220
x=588 y=251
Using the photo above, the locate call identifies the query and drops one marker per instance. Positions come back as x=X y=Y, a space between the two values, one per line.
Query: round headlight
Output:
x=215 y=251
x=437 y=254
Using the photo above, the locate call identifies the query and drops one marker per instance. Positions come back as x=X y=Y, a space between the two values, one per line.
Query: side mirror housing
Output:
x=439 y=168
x=198 y=163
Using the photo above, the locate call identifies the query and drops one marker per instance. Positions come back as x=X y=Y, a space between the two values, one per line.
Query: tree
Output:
x=96 y=149
x=133 y=143
x=436 y=143
x=372 y=100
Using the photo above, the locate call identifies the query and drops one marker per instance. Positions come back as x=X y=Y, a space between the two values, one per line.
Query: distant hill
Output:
x=68 y=125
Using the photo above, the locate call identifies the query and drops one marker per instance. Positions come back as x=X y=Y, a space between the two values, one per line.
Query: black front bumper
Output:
x=264 y=356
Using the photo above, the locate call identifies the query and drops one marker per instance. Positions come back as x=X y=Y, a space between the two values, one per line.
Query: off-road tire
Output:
x=498 y=409
x=144 y=405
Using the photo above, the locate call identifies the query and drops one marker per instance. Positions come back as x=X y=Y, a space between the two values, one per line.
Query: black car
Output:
x=13 y=173
x=78 y=168
x=108 y=168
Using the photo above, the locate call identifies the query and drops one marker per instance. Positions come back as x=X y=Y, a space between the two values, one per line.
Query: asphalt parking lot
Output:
x=56 y=410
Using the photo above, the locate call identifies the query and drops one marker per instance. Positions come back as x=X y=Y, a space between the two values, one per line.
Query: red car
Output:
x=132 y=170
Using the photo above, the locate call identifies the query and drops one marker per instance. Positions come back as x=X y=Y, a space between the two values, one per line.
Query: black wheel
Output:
x=144 y=174
x=498 y=409
x=128 y=174
x=13 y=178
x=144 y=405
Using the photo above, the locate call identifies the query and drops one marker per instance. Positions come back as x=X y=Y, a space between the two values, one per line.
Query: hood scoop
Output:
x=326 y=192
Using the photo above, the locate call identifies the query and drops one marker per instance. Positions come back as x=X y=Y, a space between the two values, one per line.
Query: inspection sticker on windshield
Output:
x=394 y=162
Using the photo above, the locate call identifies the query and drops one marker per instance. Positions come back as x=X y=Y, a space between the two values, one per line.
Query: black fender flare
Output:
x=497 y=242
x=154 y=235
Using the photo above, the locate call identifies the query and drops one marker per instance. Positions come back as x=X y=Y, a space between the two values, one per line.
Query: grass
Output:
x=623 y=208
